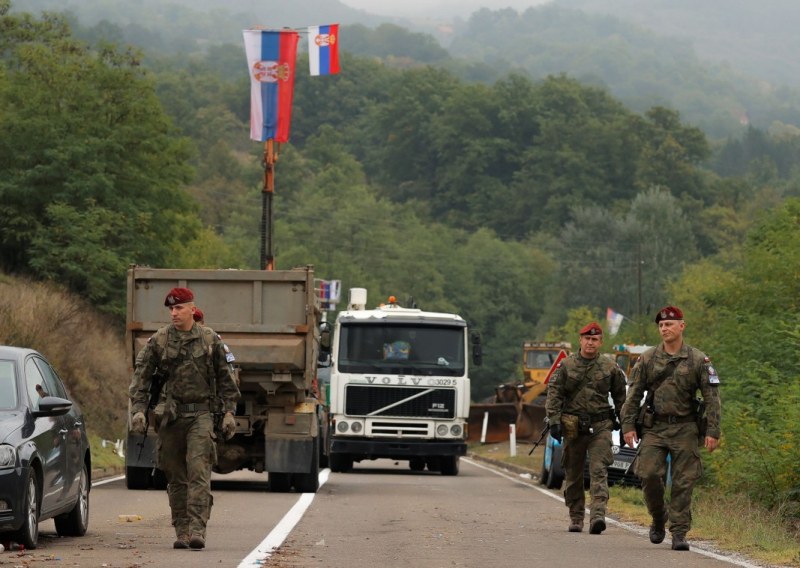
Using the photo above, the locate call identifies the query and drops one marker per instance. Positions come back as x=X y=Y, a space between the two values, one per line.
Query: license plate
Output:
x=619 y=464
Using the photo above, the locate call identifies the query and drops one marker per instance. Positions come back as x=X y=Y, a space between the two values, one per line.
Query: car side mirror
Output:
x=52 y=406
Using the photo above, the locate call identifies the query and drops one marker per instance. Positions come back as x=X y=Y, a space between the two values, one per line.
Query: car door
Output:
x=49 y=436
x=72 y=422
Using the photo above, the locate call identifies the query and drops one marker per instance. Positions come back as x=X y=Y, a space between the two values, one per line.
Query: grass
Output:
x=733 y=523
x=105 y=458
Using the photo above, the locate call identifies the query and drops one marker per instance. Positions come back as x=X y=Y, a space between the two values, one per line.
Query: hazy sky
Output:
x=436 y=7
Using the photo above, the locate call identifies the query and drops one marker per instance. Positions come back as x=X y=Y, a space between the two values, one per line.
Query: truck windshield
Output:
x=402 y=349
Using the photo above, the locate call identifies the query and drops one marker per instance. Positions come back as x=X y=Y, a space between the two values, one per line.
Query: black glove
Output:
x=555 y=432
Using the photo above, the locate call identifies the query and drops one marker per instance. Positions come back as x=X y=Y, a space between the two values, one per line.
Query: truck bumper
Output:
x=396 y=449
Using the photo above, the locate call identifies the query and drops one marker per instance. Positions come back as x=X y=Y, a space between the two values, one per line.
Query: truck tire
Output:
x=416 y=464
x=341 y=463
x=309 y=482
x=137 y=478
x=450 y=465
x=280 y=482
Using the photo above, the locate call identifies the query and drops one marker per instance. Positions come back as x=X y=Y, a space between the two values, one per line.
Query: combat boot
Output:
x=576 y=525
x=679 y=542
x=597 y=526
x=181 y=542
x=657 y=529
x=197 y=542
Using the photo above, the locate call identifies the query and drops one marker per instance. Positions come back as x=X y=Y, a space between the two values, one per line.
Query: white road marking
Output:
x=275 y=538
x=108 y=480
x=628 y=527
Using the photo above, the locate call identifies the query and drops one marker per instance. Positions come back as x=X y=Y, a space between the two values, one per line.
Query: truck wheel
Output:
x=159 y=480
x=280 y=482
x=341 y=463
x=309 y=482
x=137 y=477
x=416 y=464
x=450 y=465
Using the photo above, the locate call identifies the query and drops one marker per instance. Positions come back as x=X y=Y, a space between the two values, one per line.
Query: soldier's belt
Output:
x=671 y=419
x=600 y=416
x=193 y=407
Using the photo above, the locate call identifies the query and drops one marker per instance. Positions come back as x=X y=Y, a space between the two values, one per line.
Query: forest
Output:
x=527 y=206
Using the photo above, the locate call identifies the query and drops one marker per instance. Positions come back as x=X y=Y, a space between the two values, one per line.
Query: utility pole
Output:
x=639 y=290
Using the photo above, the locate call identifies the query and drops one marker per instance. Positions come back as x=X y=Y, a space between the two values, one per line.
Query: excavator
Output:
x=521 y=404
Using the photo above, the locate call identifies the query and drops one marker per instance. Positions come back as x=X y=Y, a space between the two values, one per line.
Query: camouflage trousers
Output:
x=597 y=447
x=186 y=453
x=679 y=442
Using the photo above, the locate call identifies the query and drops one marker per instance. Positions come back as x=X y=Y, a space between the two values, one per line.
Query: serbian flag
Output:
x=323 y=49
x=271 y=59
x=614 y=321
x=561 y=355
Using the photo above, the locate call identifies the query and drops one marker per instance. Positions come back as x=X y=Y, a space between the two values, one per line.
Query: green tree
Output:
x=84 y=142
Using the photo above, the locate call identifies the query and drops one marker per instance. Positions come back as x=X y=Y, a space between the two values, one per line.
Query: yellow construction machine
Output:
x=521 y=404
x=626 y=355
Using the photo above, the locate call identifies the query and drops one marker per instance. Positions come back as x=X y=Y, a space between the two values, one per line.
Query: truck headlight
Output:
x=342 y=427
x=455 y=430
x=441 y=430
x=356 y=427
x=8 y=456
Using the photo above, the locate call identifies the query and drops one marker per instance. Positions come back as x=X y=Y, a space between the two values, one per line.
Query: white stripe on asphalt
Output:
x=628 y=527
x=275 y=538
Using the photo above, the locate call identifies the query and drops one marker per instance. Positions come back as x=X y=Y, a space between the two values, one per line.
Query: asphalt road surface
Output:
x=380 y=515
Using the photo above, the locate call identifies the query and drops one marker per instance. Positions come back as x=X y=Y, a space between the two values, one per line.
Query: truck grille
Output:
x=363 y=400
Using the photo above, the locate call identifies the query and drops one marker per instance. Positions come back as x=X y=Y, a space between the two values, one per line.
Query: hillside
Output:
x=758 y=38
x=85 y=347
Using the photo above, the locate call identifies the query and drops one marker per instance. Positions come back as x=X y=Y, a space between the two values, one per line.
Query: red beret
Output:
x=669 y=313
x=592 y=329
x=198 y=315
x=178 y=296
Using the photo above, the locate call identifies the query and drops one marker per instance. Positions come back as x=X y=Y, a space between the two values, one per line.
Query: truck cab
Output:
x=399 y=386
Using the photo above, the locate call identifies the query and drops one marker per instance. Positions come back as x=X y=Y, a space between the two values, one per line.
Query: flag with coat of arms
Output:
x=323 y=50
x=614 y=321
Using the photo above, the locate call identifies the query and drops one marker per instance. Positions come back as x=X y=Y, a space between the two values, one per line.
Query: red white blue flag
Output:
x=323 y=49
x=271 y=57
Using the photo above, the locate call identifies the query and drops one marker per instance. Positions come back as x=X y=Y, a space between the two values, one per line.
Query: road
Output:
x=381 y=514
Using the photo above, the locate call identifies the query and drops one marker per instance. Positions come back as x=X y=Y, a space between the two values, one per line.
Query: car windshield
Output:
x=402 y=349
x=8 y=385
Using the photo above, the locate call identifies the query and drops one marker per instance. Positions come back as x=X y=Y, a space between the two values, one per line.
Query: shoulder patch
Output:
x=713 y=378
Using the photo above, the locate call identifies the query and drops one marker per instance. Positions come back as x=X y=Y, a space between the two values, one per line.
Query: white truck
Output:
x=269 y=319
x=399 y=386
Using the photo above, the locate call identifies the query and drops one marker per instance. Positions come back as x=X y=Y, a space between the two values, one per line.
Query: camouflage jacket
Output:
x=605 y=377
x=190 y=361
x=677 y=392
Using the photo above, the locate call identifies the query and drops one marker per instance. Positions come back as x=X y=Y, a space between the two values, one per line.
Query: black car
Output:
x=45 y=463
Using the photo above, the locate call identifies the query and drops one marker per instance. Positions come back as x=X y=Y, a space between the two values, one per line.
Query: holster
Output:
x=570 y=425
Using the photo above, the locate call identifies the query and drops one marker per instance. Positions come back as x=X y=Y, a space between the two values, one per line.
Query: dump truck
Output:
x=269 y=320
x=399 y=386
x=521 y=404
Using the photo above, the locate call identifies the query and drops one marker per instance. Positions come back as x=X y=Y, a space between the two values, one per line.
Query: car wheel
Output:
x=76 y=521
x=556 y=475
x=28 y=534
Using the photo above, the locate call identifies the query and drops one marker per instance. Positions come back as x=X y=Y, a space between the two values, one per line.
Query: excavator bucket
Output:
x=498 y=417
x=530 y=421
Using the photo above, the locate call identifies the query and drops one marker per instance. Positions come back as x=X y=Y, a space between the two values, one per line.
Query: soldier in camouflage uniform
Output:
x=578 y=410
x=197 y=382
x=674 y=372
